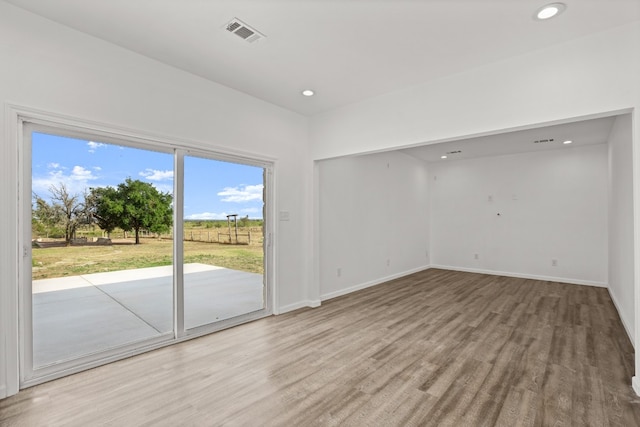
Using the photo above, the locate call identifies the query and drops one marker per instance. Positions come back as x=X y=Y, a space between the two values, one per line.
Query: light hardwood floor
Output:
x=434 y=348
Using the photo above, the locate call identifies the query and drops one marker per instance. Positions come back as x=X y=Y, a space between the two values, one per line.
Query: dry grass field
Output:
x=124 y=255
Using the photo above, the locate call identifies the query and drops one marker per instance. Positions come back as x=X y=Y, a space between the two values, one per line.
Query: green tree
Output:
x=65 y=211
x=133 y=205
x=104 y=207
x=44 y=218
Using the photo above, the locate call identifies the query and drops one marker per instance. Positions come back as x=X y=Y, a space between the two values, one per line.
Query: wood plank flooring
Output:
x=435 y=348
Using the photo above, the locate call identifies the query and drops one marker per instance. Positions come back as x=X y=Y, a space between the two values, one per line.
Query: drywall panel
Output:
x=621 y=252
x=50 y=67
x=540 y=214
x=591 y=75
x=373 y=220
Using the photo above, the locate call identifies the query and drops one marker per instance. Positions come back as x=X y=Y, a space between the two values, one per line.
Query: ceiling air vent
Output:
x=244 y=31
x=454 y=152
x=543 y=141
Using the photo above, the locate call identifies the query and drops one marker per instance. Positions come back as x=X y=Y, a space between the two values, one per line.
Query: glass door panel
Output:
x=223 y=240
x=101 y=233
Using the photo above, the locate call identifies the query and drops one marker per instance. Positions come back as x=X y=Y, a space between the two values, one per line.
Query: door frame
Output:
x=20 y=318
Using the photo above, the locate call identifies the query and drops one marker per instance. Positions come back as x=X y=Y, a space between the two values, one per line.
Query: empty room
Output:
x=319 y=213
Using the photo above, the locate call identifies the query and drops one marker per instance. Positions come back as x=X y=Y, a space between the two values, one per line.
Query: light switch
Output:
x=284 y=216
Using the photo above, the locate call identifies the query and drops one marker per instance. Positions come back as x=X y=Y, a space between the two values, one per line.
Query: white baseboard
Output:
x=327 y=296
x=365 y=285
x=626 y=326
x=523 y=276
x=635 y=383
x=3 y=391
x=297 y=305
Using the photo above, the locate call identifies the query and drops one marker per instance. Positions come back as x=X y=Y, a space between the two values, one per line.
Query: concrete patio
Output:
x=79 y=315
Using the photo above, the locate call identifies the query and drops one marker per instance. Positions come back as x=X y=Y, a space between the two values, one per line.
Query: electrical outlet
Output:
x=339 y=272
x=554 y=263
x=476 y=256
x=388 y=262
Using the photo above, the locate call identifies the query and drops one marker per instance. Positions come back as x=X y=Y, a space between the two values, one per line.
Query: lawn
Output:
x=152 y=252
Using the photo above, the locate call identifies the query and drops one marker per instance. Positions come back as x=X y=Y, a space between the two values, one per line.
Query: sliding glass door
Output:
x=223 y=240
x=132 y=246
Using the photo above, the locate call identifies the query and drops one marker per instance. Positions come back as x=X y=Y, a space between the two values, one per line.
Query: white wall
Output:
x=621 y=252
x=372 y=209
x=52 y=68
x=591 y=75
x=519 y=212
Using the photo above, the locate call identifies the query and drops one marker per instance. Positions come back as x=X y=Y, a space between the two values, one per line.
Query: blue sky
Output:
x=213 y=189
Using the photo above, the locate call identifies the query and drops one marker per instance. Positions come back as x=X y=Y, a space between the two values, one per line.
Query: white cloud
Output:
x=53 y=165
x=157 y=175
x=97 y=168
x=81 y=174
x=207 y=215
x=242 y=194
x=164 y=188
x=93 y=146
x=76 y=181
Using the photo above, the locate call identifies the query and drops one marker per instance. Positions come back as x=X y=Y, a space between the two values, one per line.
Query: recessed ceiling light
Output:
x=567 y=142
x=308 y=92
x=549 y=11
x=443 y=157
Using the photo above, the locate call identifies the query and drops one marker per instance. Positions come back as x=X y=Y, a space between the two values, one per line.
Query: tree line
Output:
x=131 y=206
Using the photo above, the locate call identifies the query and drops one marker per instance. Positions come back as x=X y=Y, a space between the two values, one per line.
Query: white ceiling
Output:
x=586 y=132
x=346 y=50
